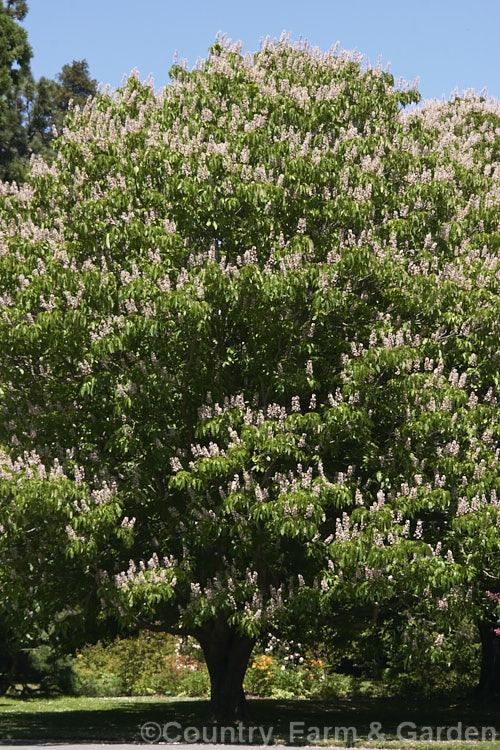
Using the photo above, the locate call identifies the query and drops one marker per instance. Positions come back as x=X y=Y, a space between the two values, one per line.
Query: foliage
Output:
x=305 y=679
x=30 y=111
x=407 y=656
x=153 y=663
x=15 y=55
x=27 y=671
x=48 y=102
x=16 y=9
x=75 y=85
x=264 y=304
x=162 y=664
x=53 y=532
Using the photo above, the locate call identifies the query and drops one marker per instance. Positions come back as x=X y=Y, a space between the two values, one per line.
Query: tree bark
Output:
x=489 y=679
x=226 y=653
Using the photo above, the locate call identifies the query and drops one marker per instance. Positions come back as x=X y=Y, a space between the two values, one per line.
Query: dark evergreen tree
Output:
x=42 y=115
x=31 y=110
x=48 y=103
x=16 y=9
x=75 y=84
x=15 y=76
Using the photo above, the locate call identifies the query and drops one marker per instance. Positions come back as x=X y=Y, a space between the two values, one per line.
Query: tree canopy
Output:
x=263 y=304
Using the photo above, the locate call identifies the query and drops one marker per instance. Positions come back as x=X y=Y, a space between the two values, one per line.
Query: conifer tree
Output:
x=30 y=111
x=15 y=56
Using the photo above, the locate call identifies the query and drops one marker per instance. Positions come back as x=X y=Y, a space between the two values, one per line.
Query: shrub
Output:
x=152 y=663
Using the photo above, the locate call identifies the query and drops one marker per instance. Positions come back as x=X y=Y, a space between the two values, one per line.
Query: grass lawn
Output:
x=120 y=719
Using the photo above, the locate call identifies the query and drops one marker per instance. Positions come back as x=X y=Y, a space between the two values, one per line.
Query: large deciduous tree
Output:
x=55 y=533
x=263 y=302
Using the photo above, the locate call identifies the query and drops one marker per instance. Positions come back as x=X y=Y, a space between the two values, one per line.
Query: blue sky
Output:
x=447 y=43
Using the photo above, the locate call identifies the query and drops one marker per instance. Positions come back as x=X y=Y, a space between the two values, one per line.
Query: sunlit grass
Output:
x=120 y=719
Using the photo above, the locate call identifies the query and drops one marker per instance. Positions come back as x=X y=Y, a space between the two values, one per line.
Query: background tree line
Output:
x=31 y=110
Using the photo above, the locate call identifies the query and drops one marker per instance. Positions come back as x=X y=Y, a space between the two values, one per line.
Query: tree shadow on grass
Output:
x=115 y=723
x=122 y=721
x=363 y=713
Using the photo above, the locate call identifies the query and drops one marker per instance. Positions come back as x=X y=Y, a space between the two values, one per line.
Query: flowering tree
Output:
x=53 y=533
x=263 y=303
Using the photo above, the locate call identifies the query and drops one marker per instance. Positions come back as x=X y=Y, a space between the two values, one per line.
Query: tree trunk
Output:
x=226 y=653
x=489 y=679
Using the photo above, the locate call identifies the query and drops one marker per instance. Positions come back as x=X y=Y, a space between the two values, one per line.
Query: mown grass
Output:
x=120 y=719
